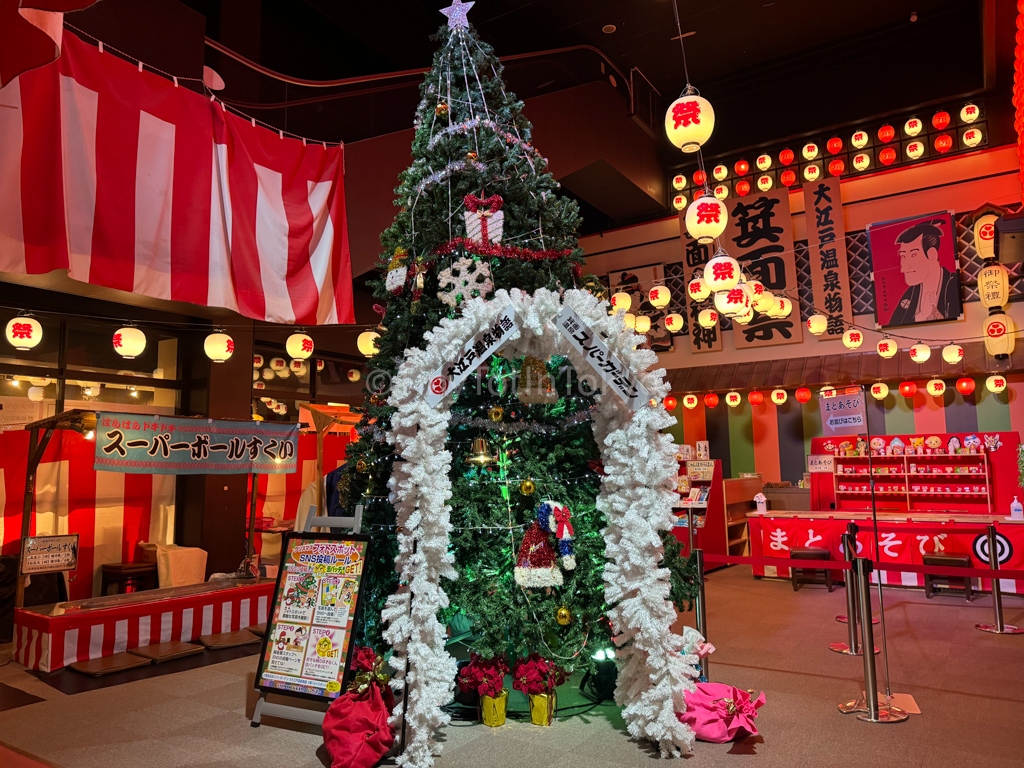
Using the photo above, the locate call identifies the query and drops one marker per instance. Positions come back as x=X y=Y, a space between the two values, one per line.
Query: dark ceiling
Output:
x=790 y=67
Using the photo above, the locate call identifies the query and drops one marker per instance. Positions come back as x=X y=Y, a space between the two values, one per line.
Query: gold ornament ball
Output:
x=471 y=157
x=527 y=487
x=441 y=110
x=563 y=616
x=496 y=413
x=361 y=466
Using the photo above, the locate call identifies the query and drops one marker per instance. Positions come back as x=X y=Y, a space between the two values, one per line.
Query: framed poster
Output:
x=916 y=274
x=49 y=554
x=637 y=281
x=308 y=642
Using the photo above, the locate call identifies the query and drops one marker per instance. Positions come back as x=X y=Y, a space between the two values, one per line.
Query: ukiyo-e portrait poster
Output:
x=637 y=282
x=760 y=237
x=916 y=271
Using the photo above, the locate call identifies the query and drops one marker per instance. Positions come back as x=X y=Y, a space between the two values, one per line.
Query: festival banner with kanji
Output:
x=165 y=445
x=826 y=243
x=695 y=256
x=760 y=237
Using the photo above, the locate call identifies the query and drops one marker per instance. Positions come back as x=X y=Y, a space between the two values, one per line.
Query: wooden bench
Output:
x=810 y=575
x=125 y=577
x=947 y=582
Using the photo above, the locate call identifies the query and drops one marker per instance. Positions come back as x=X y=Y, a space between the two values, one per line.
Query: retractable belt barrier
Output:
x=878 y=565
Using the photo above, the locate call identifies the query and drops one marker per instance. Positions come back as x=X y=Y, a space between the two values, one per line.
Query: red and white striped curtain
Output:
x=127 y=180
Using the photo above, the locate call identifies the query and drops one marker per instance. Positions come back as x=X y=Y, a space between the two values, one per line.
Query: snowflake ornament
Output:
x=463 y=280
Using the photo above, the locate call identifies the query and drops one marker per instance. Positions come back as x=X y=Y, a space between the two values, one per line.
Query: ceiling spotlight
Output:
x=608 y=28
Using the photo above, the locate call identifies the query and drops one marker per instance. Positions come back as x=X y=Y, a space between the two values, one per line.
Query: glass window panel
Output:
x=91 y=348
x=24 y=401
x=91 y=395
x=333 y=382
x=278 y=373
x=44 y=353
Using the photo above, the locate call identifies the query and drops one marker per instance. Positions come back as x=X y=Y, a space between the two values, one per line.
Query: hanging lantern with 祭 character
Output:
x=879 y=390
x=689 y=120
x=722 y=273
x=706 y=219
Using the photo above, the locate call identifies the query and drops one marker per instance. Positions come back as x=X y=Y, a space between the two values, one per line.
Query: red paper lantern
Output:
x=741 y=167
x=755 y=397
x=887 y=156
x=943 y=143
x=941 y=121
x=699 y=177
x=886 y=134
x=908 y=389
x=803 y=395
x=836 y=167
x=710 y=399
x=834 y=145
x=965 y=386
x=786 y=156
x=670 y=403
x=787 y=178
x=742 y=187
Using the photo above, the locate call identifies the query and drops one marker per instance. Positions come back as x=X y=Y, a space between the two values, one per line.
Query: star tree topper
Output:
x=456 y=13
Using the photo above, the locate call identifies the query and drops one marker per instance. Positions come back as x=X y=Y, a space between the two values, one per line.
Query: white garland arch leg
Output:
x=636 y=498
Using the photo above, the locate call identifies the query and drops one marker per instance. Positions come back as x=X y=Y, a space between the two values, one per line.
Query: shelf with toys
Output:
x=958 y=472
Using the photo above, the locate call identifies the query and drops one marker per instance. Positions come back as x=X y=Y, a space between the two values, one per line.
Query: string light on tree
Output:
x=879 y=390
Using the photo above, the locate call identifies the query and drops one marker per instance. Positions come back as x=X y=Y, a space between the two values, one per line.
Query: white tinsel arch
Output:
x=636 y=498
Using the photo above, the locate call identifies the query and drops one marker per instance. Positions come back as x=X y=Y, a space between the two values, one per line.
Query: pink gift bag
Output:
x=720 y=713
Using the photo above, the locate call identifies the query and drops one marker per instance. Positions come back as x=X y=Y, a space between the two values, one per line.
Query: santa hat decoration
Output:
x=554 y=518
x=536 y=566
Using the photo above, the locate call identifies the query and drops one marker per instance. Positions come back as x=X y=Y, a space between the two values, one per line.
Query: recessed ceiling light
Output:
x=608 y=28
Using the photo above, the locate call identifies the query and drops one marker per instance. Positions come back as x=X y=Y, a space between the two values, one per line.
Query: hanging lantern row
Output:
x=734 y=296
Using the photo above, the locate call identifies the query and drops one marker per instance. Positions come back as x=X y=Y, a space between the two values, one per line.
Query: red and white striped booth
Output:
x=46 y=642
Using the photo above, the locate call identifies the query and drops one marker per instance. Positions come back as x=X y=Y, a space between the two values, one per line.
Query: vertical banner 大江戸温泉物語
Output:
x=826 y=246
x=759 y=236
x=695 y=256
x=473 y=354
x=168 y=445
x=313 y=616
x=916 y=271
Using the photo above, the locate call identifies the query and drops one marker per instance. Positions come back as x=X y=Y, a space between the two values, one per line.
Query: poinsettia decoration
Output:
x=535 y=674
x=485 y=676
x=369 y=668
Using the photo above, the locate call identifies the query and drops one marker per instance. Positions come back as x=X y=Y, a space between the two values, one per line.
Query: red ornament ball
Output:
x=886 y=134
x=670 y=403
x=710 y=399
x=941 y=120
x=755 y=397
x=965 y=385
x=834 y=145
x=943 y=143
x=743 y=188
x=788 y=178
x=836 y=167
x=887 y=156
x=786 y=156
x=741 y=167
x=908 y=389
x=803 y=395
x=699 y=177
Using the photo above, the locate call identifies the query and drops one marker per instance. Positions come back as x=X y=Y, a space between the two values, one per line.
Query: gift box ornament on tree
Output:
x=485 y=220
x=398 y=271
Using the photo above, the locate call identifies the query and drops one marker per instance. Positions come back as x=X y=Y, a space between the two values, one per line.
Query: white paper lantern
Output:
x=643 y=324
x=679 y=182
x=779 y=396
x=320 y=365
x=679 y=202
x=621 y=302
x=763 y=162
x=765 y=302
x=936 y=387
x=270 y=402
x=757 y=295
x=354 y=374
x=810 y=150
x=629 y=320
x=765 y=182
x=129 y=343
x=972 y=137
x=732 y=399
x=722 y=273
x=812 y=172
x=218 y=347
x=817 y=324
x=284 y=373
x=720 y=172
x=24 y=333
x=268 y=374
x=1000 y=334
x=690 y=401
x=853 y=338
x=887 y=348
x=733 y=302
x=298 y=367
x=859 y=140
x=915 y=149
x=673 y=322
x=255 y=375
x=995 y=383
x=721 y=191
x=861 y=161
x=257 y=361
x=38 y=381
x=912 y=127
x=952 y=353
x=707 y=318
x=259 y=384
x=745 y=317
x=689 y=122
x=367 y=343
x=706 y=219
x=277 y=363
x=281 y=409
x=879 y=390
x=783 y=308
x=969 y=113
x=920 y=353
x=698 y=289
x=299 y=346
x=659 y=296
x=36 y=394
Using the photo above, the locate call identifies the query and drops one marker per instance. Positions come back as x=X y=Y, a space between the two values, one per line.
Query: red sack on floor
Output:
x=356 y=730
x=720 y=713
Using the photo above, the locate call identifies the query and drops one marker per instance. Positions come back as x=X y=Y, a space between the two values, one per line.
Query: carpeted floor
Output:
x=968 y=684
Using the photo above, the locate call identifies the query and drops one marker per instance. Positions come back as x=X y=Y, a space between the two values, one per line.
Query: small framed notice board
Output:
x=308 y=641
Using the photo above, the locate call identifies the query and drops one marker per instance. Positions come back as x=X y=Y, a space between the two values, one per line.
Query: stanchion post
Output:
x=700 y=607
x=876 y=713
x=852 y=647
x=999 y=628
